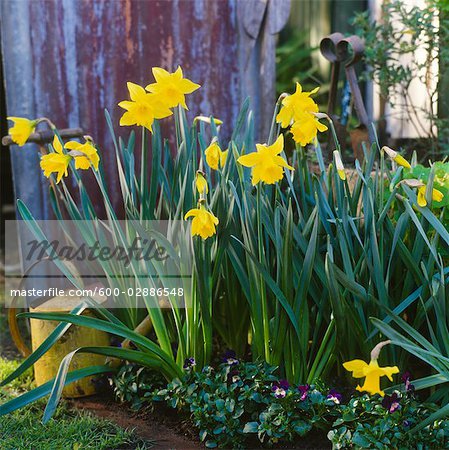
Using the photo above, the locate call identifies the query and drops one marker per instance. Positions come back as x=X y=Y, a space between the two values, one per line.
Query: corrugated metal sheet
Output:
x=70 y=59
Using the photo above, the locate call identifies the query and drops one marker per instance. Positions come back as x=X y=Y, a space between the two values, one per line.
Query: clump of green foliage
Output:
x=440 y=181
x=391 y=46
x=135 y=384
x=373 y=422
x=238 y=403
x=234 y=403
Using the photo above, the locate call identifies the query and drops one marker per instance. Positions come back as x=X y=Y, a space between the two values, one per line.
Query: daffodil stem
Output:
x=382 y=171
x=143 y=174
x=47 y=121
x=43 y=150
x=181 y=124
x=263 y=297
x=334 y=134
x=273 y=120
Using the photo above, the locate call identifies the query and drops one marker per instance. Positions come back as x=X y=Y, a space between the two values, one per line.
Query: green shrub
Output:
x=232 y=403
x=386 y=423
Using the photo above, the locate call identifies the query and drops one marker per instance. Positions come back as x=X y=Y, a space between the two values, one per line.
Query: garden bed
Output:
x=280 y=285
x=168 y=428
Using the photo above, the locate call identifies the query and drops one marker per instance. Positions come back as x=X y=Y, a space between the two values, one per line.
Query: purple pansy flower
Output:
x=406 y=424
x=304 y=391
x=229 y=358
x=189 y=363
x=116 y=342
x=280 y=388
x=406 y=379
x=391 y=402
x=335 y=396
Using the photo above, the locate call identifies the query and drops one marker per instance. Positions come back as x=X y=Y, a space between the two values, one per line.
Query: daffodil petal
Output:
x=73 y=145
x=249 y=160
x=356 y=366
x=192 y=213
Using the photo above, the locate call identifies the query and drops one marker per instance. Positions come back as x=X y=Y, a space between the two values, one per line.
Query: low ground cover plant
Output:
x=239 y=405
x=301 y=268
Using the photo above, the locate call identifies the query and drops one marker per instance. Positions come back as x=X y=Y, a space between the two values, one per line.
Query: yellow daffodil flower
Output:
x=172 y=87
x=84 y=154
x=22 y=129
x=267 y=165
x=295 y=105
x=395 y=156
x=437 y=196
x=57 y=162
x=305 y=128
x=371 y=372
x=203 y=223
x=339 y=165
x=143 y=108
x=201 y=183
x=215 y=158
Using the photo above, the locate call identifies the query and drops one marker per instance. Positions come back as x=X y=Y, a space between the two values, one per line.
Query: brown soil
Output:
x=167 y=432
x=170 y=430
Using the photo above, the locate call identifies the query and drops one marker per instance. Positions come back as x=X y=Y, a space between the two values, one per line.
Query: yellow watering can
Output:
x=47 y=366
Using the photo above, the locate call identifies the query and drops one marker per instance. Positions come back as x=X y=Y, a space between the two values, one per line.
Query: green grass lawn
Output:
x=69 y=429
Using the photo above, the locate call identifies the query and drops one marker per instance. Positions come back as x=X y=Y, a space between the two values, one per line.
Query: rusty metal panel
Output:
x=70 y=59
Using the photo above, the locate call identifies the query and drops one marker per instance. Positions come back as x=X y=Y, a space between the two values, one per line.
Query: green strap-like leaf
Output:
x=44 y=347
x=45 y=389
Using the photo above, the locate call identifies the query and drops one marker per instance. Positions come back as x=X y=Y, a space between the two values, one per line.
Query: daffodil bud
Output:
x=339 y=165
x=201 y=183
x=395 y=156
x=206 y=119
